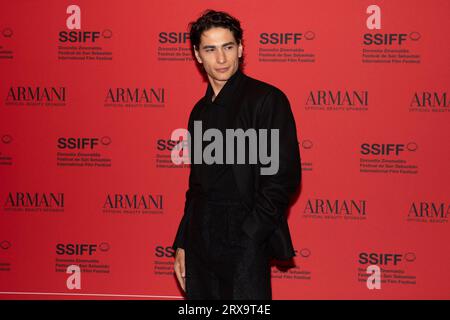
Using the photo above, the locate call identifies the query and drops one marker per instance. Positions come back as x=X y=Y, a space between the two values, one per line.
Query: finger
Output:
x=183 y=273
x=178 y=273
x=182 y=269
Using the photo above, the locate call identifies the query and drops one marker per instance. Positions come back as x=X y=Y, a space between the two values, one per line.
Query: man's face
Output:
x=219 y=53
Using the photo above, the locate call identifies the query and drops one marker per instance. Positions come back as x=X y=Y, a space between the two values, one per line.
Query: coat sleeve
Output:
x=274 y=192
x=180 y=238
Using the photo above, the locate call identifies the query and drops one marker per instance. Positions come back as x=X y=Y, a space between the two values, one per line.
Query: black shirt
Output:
x=218 y=179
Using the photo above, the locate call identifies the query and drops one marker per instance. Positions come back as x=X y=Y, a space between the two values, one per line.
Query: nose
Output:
x=221 y=57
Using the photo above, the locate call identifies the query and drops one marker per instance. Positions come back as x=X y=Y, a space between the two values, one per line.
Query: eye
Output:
x=229 y=47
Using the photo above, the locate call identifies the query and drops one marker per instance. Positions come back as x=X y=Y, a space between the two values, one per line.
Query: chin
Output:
x=221 y=76
x=224 y=76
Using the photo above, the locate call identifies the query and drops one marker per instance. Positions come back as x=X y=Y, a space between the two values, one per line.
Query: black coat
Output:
x=257 y=105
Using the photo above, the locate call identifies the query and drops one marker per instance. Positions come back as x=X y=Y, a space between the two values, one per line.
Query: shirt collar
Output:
x=227 y=91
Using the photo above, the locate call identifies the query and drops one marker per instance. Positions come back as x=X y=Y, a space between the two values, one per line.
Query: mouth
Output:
x=222 y=70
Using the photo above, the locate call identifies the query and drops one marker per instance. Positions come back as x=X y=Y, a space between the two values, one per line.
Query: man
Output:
x=235 y=217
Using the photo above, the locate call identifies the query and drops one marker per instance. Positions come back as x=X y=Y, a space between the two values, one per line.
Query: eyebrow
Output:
x=224 y=45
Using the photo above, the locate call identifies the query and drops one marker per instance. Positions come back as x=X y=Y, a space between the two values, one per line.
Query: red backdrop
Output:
x=89 y=96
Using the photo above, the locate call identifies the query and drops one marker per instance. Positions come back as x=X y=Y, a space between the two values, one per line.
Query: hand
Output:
x=179 y=267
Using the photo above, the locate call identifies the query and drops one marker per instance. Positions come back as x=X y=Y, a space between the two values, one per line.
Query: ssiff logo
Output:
x=390 y=48
x=374 y=22
x=81 y=42
x=73 y=22
x=377 y=261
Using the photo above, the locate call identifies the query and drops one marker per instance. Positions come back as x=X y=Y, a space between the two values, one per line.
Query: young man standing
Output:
x=234 y=218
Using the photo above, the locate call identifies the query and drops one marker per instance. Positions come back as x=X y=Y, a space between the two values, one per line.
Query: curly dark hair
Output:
x=210 y=19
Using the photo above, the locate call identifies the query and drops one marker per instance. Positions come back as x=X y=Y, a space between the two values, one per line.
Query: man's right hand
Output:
x=179 y=267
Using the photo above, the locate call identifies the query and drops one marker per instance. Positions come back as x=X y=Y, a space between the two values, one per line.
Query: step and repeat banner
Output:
x=90 y=92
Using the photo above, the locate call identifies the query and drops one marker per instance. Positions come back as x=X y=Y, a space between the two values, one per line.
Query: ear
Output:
x=197 y=56
x=240 y=49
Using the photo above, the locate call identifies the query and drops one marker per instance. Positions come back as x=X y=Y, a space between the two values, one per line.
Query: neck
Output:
x=216 y=85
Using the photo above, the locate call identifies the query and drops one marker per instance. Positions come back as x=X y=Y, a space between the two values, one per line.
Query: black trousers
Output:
x=221 y=261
